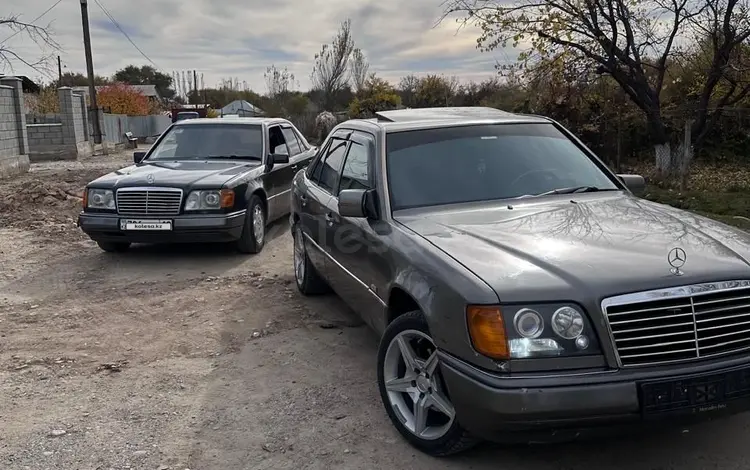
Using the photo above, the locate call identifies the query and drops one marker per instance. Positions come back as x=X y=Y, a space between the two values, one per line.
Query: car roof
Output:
x=429 y=118
x=232 y=120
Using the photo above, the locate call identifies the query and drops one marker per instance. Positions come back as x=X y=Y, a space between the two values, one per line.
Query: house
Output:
x=28 y=85
x=241 y=108
x=148 y=90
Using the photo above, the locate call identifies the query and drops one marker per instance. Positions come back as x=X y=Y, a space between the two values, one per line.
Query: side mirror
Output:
x=280 y=158
x=358 y=203
x=635 y=183
x=138 y=156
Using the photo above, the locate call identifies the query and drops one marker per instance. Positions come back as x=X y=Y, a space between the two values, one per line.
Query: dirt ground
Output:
x=195 y=357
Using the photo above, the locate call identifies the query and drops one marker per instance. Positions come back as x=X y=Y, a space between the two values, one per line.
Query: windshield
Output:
x=198 y=142
x=479 y=163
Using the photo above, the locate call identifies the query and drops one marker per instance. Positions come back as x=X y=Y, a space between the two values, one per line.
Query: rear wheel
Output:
x=254 y=232
x=309 y=282
x=114 y=247
x=413 y=392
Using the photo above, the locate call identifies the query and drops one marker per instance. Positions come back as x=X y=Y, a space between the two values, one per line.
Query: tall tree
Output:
x=359 y=69
x=633 y=42
x=78 y=79
x=146 y=75
x=278 y=81
x=329 y=73
x=41 y=35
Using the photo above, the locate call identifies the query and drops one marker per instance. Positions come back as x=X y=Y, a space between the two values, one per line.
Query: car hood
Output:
x=591 y=247
x=176 y=173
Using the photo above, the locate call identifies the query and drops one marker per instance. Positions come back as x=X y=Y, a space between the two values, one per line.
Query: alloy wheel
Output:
x=414 y=387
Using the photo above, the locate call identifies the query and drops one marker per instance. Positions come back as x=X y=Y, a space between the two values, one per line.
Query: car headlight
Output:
x=100 y=199
x=532 y=331
x=209 y=199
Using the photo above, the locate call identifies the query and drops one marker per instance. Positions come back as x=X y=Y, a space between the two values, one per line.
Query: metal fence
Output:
x=142 y=127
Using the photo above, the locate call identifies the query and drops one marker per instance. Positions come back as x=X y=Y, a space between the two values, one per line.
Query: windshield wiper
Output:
x=574 y=189
x=238 y=157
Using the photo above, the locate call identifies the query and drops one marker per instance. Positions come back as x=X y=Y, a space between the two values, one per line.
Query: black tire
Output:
x=456 y=439
x=249 y=242
x=311 y=282
x=114 y=247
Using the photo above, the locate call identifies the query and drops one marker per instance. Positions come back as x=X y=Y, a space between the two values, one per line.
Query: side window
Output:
x=312 y=169
x=302 y=144
x=356 y=171
x=330 y=167
x=276 y=140
x=291 y=141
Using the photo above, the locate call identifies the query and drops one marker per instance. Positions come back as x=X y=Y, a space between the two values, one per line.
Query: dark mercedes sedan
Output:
x=204 y=180
x=521 y=290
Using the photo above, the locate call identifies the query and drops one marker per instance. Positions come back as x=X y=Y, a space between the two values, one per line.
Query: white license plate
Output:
x=145 y=224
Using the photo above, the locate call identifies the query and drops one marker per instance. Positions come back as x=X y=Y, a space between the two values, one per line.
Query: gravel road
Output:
x=199 y=358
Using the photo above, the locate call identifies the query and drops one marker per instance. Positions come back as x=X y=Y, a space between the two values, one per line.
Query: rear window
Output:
x=486 y=162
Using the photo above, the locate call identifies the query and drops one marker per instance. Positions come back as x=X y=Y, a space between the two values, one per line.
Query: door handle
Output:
x=303 y=199
x=330 y=218
x=295 y=166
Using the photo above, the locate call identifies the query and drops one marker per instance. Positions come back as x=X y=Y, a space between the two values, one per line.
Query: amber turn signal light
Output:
x=227 y=198
x=85 y=197
x=487 y=331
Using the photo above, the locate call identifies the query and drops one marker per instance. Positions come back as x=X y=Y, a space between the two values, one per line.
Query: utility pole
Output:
x=59 y=72
x=195 y=86
x=90 y=71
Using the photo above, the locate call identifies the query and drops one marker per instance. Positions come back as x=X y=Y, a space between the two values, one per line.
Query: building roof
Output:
x=28 y=84
x=238 y=105
x=148 y=90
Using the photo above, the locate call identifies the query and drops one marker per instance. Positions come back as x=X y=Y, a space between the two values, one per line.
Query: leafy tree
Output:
x=359 y=69
x=329 y=73
x=78 y=79
x=123 y=99
x=435 y=91
x=40 y=35
x=278 y=81
x=376 y=95
x=407 y=88
x=146 y=75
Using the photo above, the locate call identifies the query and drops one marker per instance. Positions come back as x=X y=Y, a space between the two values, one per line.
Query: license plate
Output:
x=696 y=394
x=159 y=225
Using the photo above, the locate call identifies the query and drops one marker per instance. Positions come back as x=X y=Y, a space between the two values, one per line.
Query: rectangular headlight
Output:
x=209 y=199
x=100 y=199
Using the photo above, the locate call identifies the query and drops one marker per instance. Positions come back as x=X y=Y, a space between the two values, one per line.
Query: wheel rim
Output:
x=299 y=256
x=258 y=224
x=414 y=387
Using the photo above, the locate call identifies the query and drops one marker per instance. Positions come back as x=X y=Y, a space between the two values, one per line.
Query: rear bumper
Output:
x=185 y=228
x=513 y=410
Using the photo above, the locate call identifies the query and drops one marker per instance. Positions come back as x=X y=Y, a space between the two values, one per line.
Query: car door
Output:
x=278 y=175
x=358 y=270
x=315 y=201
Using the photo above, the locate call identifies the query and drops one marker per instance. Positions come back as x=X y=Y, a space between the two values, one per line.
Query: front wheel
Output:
x=413 y=392
x=309 y=281
x=254 y=231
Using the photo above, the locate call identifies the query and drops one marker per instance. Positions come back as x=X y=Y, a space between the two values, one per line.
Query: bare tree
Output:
x=633 y=42
x=359 y=69
x=278 y=81
x=41 y=35
x=329 y=73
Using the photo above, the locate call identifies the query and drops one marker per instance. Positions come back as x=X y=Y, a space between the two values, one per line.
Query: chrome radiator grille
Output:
x=680 y=324
x=149 y=201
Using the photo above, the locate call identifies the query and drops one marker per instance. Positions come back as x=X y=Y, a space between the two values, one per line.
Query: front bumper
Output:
x=548 y=408
x=203 y=228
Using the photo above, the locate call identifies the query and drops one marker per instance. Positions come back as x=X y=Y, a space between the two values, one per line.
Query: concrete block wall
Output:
x=51 y=118
x=67 y=140
x=14 y=145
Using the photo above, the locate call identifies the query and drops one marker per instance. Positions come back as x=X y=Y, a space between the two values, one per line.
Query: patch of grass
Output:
x=731 y=207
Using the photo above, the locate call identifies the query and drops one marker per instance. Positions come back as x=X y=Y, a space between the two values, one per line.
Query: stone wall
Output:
x=67 y=140
x=14 y=144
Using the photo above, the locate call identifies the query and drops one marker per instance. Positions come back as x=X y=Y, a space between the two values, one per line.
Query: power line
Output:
x=117 y=25
x=32 y=22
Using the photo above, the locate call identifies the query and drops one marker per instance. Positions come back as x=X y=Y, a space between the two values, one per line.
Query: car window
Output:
x=301 y=140
x=356 y=171
x=330 y=167
x=485 y=162
x=200 y=141
x=312 y=170
x=291 y=141
x=276 y=140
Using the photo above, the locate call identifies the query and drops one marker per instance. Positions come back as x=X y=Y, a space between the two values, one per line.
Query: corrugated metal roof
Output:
x=148 y=90
x=238 y=105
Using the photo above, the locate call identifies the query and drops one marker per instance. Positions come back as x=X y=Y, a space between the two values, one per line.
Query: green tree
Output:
x=376 y=95
x=78 y=79
x=632 y=42
x=435 y=91
x=146 y=75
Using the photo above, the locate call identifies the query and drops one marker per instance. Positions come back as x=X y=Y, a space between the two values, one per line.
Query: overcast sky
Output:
x=240 y=38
